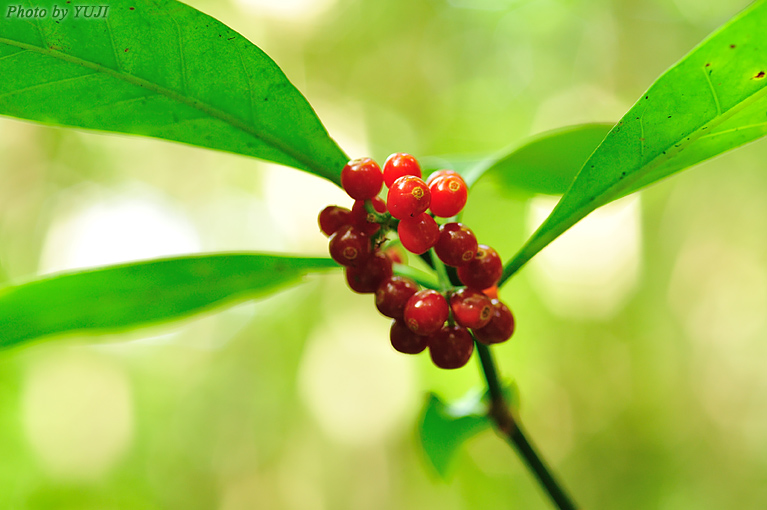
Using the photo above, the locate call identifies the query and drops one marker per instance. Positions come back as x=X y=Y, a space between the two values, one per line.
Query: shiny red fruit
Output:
x=405 y=341
x=418 y=234
x=482 y=272
x=471 y=308
x=501 y=325
x=400 y=164
x=362 y=178
x=367 y=277
x=393 y=294
x=456 y=245
x=451 y=347
x=442 y=173
x=425 y=312
x=360 y=218
x=349 y=246
x=448 y=195
x=332 y=218
x=408 y=197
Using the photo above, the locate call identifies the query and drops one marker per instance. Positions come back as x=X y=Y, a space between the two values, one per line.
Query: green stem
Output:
x=439 y=268
x=512 y=431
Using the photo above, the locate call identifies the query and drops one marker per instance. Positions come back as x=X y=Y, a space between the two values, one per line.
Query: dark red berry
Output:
x=392 y=296
x=456 y=245
x=482 y=272
x=448 y=195
x=451 y=347
x=367 y=277
x=400 y=164
x=362 y=178
x=359 y=215
x=441 y=173
x=404 y=340
x=426 y=311
x=408 y=197
x=418 y=234
x=501 y=325
x=349 y=246
x=332 y=218
x=471 y=308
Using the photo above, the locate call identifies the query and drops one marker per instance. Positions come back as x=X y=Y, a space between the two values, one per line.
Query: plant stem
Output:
x=512 y=431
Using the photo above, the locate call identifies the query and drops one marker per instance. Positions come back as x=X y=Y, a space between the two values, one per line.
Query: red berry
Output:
x=367 y=277
x=400 y=164
x=362 y=178
x=332 y=218
x=456 y=245
x=451 y=347
x=359 y=215
x=491 y=292
x=392 y=296
x=471 y=308
x=426 y=311
x=404 y=340
x=408 y=197
x=448 y=195
x=482 y=272
x=441 y=173
x=501 y=325
x=418 y=234
x=349 y=246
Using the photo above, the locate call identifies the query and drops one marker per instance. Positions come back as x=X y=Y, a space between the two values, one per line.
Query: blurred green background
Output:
x=641 y=340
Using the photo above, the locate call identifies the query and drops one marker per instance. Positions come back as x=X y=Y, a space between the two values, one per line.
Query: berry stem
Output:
x=422 y=278
x=511 y=429
x=439 y=267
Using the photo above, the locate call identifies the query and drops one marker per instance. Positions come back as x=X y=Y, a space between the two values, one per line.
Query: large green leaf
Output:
x=713 y=100
x=130 y=295
x=163 y=69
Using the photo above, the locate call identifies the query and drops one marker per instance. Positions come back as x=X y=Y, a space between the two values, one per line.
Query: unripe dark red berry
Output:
x=393 y=294
x=426 y=311
x=456 y=245
x=404 y=340
x=451 y=347
x=332 y=218
x=441 y=173
x=362 y=178
x=471 y=308
x=483 y=271
x=349 y=246
x=408 y=197
x=400 y=164
x=448 y=195
x=367 y=277
x=360 y=218
x=501 y=325
x=418 y=234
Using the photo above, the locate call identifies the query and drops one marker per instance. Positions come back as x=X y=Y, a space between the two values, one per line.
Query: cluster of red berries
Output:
x=422 y=318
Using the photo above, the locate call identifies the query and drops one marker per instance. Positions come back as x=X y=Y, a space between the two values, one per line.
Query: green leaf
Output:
x=546 y=163
x=713 y=100
x=159 y=68
x=131 y=295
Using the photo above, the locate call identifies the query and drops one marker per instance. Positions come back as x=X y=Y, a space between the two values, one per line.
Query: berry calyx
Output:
x=404 y=340
x=393 y=294
x=456 y=245
x=367 y=277
x=501 y=325
x=451 y=347
x=425 y=312
x=332 y=218
x=362 y=220
x=483 y=271
x=408 y=197
x=418 y=234
x=442 y=173
x=471 y=308
x=349 y=246
x=399 y=164
x=362 y=178
x=448 y=195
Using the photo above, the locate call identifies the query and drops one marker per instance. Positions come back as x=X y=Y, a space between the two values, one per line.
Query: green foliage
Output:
x=711 y=101
x=165 y=70
x=132 y=295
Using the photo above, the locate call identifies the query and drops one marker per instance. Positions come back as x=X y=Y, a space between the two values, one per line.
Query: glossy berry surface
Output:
x=451 y=347
x=418 y=234
x=425 y=312
x=471 y=308
x=332 y=218
x=456 y=245
x=501 y=325
x=362 y=178
x=349 y=246
x=359 y=215
x=367 y=277
x=393 y=294
x=400 y=164
x=404 y=340
x=408 y=197
x=441 y=173
x=482 y=272
x=448 y=195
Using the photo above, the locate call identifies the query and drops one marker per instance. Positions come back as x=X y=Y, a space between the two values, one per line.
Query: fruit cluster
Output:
x=421 y=317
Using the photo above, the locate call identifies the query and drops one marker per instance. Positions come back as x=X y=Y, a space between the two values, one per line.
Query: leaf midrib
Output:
x=188 y=101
